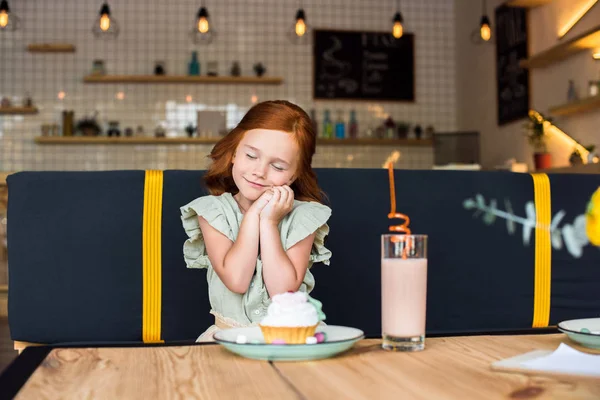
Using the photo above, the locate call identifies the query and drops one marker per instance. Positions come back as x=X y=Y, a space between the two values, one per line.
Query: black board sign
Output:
x=363 y=65
x=512 y=80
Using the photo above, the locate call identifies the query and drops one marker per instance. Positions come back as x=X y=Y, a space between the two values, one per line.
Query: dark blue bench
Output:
x=75 y=248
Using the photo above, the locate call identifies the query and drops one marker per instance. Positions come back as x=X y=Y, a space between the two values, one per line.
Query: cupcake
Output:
x=291 y=318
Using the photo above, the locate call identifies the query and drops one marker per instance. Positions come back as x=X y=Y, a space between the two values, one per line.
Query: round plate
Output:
x=573 y=329
x=339 y=339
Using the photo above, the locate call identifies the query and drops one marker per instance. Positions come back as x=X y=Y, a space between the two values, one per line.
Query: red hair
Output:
x=278 y=115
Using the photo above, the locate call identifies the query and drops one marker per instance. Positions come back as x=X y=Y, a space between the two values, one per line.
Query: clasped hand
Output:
x=274 y=204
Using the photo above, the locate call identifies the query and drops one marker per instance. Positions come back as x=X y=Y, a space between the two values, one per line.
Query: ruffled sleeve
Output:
x=211 y=209
x=306 y=218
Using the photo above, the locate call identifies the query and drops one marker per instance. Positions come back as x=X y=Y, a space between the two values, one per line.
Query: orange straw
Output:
x=402 y=228
x=393 y=214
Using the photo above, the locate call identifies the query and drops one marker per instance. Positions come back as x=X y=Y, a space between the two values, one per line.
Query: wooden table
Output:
x=449 y=368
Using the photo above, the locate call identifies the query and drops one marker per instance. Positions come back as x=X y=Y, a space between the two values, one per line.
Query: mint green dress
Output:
x=223 y=213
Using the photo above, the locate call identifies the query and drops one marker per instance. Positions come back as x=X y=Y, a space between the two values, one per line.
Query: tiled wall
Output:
x=248 y=31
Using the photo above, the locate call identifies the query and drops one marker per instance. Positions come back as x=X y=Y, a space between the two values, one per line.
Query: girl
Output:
x=263 y=225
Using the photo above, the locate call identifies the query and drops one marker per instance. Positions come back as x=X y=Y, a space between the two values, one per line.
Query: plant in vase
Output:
x=575 y=158
x=402 y=129
x=189 y=129
x=538 y=138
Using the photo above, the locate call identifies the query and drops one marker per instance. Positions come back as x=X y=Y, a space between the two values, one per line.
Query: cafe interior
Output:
x=476 y=119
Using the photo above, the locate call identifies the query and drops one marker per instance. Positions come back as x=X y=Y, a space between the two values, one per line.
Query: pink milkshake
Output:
x=403 y=298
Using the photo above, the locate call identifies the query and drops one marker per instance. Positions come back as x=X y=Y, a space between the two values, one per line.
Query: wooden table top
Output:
x=449 y=368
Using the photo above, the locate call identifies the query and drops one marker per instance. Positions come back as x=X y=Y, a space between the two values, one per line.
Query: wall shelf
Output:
x=51 y=48
x=527 y=3
x=579 y=106
x=587 y=40
x=267 y=80
x=18 y=110
x=182 y=140
x=120 y=140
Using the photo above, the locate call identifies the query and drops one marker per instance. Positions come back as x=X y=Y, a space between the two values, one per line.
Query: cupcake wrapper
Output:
x=291 y=335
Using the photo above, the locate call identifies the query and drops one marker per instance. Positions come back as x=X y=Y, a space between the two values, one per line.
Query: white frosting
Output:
x=290 y=309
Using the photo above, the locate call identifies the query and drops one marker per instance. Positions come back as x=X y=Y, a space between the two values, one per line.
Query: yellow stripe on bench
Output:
x=543 y=251
x=152 y=242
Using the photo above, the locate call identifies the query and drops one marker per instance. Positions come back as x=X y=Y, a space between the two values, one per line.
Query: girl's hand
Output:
x=260 y=203
x=280 y=204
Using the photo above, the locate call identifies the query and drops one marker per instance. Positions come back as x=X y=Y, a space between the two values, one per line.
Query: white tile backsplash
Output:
x=248 y=31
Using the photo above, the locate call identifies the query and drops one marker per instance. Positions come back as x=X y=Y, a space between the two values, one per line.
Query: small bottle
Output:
x=571 y=92
x=194 y=65
x=390 y=127
x=327 y=126
x=340 y=127
x=236 y=70
x=353 y=125
x=593 y=88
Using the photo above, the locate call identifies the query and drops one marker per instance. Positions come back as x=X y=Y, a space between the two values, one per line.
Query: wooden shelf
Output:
x=121 y=140
x=579 y=106
x=267 y=80
x=183 y=140
x=51 y=48
x=527 y=3
x=587 y=40
x=18 y=110
x=377 y=142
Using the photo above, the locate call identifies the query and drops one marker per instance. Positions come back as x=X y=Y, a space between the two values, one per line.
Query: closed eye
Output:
x=278 y=168
x=250 y=156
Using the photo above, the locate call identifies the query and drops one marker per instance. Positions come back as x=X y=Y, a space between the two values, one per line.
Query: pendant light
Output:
x=105 y=25
x=483 y=34
x=398 y=28
x=300 y=31
x=485 y=30
x=8 y=20
x=203 y=31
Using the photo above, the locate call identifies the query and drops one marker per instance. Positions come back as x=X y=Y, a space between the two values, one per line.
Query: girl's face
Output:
x=264 y=158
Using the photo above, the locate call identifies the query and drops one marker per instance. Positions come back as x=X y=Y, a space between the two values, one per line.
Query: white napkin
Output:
x=566 y=359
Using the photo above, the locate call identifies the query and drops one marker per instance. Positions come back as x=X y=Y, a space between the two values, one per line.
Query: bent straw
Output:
x=393 y=214
x=403 y=228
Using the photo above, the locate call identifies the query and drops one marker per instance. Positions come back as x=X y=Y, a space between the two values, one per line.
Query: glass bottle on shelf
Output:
x=327 y=126
x=593 y=88
x=353 y=125
x=340 y=127
x=572 y=92
x=194 y=65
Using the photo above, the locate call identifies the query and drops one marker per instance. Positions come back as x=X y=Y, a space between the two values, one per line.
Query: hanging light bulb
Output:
x=4 y=14
x=203 y=26
x=8 y=20
x=299 y=31
x=398 y=29
x=483 y=34
x=300 y=24
x=105 y=25
x=485 y=31
x=203 y=31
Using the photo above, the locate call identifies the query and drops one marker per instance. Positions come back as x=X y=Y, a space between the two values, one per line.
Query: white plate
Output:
x=590 y=337
x=339 y=339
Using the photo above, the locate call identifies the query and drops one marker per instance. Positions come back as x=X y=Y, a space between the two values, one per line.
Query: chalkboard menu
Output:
x=363 y=65
x=512 y=80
